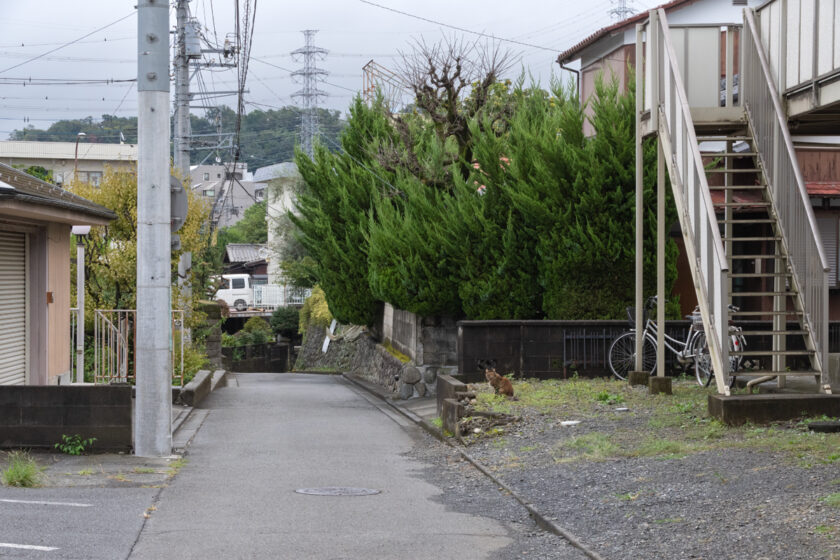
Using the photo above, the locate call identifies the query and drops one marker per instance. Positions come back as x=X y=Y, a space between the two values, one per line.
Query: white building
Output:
x=87 y=160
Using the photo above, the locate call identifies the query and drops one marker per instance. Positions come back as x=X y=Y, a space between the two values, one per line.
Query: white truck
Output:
x=241 y=292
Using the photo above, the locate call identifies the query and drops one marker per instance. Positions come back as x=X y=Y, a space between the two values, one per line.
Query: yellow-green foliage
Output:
x=315 y=310
x=255 y=324
x=395 y=353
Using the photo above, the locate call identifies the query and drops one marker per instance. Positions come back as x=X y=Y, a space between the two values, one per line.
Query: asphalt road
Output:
x=276 y=433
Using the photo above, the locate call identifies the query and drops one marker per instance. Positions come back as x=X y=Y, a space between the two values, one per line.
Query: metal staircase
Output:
x=749 y=230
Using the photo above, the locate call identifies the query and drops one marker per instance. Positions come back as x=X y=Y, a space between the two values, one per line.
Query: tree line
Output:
x=485 y=202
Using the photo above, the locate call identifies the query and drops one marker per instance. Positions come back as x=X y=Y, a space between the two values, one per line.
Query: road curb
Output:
x=539 y=518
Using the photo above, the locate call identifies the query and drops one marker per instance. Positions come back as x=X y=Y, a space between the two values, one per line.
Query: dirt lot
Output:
x=641 y=476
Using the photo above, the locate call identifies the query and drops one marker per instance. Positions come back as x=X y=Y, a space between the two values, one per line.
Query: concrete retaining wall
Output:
x=37 y=416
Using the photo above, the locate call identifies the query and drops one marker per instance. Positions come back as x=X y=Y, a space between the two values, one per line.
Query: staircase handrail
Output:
x=692 y=195
x=795 y=215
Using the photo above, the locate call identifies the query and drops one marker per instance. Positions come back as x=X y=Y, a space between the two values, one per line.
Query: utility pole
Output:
x=181 y=65
x=621 y=11
x=153 y=407
x=309 y=94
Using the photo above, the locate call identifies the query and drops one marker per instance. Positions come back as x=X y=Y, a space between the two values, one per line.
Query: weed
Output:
x=74 y=445
x=437 y=422
x=628 y=496
x=500 y=443
x=669 y=520
x=23 y=470
x=824 y=529
x=832 y=500
x=595 y=446
x=609 y=398
x=176 y=466
x=85 y=472
x=528 y=448
x=659 y=447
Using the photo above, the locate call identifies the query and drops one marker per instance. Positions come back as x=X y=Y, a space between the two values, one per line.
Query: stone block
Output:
x=446 y=388
x=659 y=385
x=421 y=389
x=638 y=378
x=761 y=409
x=406 y=390
x=410 y=375
x=196 y=390
x=452 y=411
x=430 y=375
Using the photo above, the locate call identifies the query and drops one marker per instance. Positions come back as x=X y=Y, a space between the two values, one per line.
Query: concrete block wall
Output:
x=37 y=416
x=428 y=341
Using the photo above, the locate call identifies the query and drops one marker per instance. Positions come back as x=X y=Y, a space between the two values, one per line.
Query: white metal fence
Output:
x=271 y=296
x=115 y=336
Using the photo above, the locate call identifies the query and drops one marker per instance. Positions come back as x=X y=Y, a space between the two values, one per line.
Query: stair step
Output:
x=729 y=154
x=758 y=274
x=771 y=352
x=723 y=137
x=750 y=257
x=718 y=170
x=761 y=221
x=770 y=333
x=760 y=313
x=756 y=373
x=752 y=238
x=761 y=294
x=740 y=204
x=736 y=187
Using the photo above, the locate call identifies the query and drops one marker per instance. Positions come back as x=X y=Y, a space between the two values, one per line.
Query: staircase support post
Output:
x=640 y=200
x=660 y=260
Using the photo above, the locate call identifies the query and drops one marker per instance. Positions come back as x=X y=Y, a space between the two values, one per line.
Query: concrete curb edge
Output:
x=540 y=519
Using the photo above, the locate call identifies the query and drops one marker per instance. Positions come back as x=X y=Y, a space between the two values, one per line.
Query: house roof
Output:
x=67 y=150
x=244 y=252
x=15 y=184
x=572 y=53
x=278 y=170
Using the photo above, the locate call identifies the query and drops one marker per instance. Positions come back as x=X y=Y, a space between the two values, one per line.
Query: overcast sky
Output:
x=352 y=31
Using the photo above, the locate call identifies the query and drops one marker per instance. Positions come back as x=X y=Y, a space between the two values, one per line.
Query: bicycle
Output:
x=622 y=352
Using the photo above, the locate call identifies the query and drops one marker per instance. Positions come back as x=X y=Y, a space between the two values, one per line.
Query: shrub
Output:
x=285 y=321
x=23 y=470
x=315 y=310
x=257 y=324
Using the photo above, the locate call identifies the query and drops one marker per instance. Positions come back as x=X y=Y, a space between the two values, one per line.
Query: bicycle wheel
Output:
x=702 y=360
x=622 y=355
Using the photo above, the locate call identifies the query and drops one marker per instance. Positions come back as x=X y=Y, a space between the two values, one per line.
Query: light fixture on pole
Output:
x=79 y=136
x=80 y=232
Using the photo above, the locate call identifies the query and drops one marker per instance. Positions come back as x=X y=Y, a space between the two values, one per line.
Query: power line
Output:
x=43 y=54
x=455 y=27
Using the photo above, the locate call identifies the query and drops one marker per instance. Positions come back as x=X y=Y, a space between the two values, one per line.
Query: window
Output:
x=224 y=284
x=260 y=194
x=95 y=178
x=82 y=176
x=210 y=192
x=218 y=175
x=207 y=176
x=238 y=283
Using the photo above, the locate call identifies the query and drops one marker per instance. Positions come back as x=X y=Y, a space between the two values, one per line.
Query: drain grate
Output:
x=338 y=491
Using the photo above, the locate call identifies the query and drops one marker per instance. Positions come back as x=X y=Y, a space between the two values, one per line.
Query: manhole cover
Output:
x=338 y=491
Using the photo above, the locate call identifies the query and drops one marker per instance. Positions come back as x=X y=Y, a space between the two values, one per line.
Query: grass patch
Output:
x=22 y=471
x=85 y=472
x=437 y=422
x=832 y=500
x=665 y=448
x=176 y=466
x=595 y=446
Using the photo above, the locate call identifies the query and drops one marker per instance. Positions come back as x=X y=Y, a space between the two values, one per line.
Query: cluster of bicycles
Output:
x=692 y=352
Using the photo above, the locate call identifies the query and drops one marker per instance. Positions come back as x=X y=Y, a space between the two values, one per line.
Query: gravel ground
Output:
x=467 y=490
x=722 y=503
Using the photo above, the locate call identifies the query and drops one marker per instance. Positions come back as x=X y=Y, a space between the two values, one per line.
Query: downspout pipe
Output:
x=575 y=72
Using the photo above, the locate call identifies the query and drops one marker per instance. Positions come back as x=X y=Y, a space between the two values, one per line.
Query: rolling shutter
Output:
x=12 y=308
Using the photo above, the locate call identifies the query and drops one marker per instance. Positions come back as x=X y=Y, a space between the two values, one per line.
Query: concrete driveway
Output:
x=269 y=435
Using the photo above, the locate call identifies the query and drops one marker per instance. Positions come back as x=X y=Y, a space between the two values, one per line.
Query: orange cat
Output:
x=501 y=384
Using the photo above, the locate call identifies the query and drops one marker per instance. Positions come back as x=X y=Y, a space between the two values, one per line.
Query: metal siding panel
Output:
x=806 y=40
x=792 y=46
x=12 y=308
x=825 y=41
x=828 y=232
x=702 y=56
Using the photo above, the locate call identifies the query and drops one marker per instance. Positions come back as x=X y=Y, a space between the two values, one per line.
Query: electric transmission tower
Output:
x=621 y=10
x=309 y=75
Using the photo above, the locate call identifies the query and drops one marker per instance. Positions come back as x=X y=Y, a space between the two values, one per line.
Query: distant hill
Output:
x=266 y=137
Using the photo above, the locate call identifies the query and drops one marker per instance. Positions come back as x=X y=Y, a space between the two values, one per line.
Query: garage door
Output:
x=12 y=308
